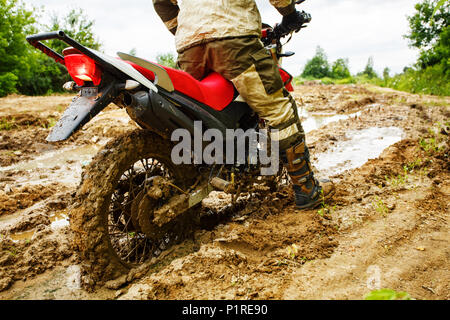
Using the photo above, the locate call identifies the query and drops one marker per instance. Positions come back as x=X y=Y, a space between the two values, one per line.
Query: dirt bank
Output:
x=387 y=226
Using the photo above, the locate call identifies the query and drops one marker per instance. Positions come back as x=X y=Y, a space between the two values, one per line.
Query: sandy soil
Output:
x=387 y=226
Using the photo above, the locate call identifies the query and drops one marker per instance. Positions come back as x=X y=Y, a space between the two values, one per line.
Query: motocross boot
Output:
x=309 y=192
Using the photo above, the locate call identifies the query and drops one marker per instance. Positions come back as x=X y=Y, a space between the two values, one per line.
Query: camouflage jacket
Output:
x=199 y=21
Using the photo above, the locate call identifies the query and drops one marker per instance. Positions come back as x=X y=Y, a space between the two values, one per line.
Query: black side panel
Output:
x=154 y=112
x=238 y=115
x=229 y=118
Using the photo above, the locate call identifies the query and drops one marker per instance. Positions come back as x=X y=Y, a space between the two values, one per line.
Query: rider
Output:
x=224 y=37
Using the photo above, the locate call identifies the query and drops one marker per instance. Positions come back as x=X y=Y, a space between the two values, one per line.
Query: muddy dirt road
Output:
x=387 y=226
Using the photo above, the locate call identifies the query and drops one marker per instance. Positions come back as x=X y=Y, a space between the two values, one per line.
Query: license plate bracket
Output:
x=89 y=91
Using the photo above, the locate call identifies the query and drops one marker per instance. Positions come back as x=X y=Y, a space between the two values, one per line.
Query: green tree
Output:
x=318 y=67
x=24 y=69
x=425 y=25
x=340 y=69
x=15 y=22
x=429 y=32
x=76 y=25
x=386 y=73
x=167 y=59
x=42 y=75
x=369 y=71
x=439 y=5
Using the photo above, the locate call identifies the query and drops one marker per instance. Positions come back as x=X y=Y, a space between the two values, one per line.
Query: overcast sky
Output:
x=354 y=29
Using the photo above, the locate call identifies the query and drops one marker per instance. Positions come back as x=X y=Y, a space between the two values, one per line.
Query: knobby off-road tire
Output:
x=90 y=209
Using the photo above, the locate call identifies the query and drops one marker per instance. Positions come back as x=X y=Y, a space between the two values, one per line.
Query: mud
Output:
x=387 y=226
x=22 y=133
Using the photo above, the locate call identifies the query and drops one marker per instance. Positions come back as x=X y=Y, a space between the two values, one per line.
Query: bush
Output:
x=299 y=80
x=15 y=22
x=8 y=83
x=318 y=66
x=431 y=80
x=42 y=77
x=340 y=69
x=349 y=80
x=25 y=70
x=167 y=59
x=327 y=80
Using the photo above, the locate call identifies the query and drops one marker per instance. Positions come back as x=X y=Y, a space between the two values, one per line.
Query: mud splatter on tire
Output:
x=88 y=214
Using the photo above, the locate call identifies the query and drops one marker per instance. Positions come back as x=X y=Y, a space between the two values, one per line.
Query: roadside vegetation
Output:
x=429 y=33
x=24 y=69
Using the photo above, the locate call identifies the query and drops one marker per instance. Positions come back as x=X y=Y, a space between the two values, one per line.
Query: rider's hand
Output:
x=294 y=21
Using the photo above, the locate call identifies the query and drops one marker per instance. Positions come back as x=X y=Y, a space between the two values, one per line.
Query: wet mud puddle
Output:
x=58 y=219
x=314 y=121
x=63 y=166
x=358 y=147
x=361 y=146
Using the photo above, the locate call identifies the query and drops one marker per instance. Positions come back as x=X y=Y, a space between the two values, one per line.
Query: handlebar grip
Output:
x=307 y=17
x=279 y=31
x=46 y=36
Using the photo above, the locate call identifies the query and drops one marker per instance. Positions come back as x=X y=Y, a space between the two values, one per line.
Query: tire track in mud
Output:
x=333 y=278
x=36 y=185
x=268 y=250
x=368 y=258
x=22 y=135
x=401 y=242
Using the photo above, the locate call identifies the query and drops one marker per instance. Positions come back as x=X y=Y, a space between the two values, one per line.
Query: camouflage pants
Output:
x=245 y=62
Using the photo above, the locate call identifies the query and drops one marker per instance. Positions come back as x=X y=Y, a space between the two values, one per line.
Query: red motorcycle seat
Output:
x=215 y=91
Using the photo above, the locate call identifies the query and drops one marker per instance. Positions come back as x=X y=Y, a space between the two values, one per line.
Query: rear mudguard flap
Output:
x=82 y=109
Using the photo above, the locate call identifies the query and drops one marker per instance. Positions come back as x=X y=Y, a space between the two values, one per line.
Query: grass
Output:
x=397 y=181
x=325 y=208
x=411 y=166
x=429 y=81
x=429 y=145
x=401 y=179
x=435 y=141
x=51 y=122
x=441 y=102
x=292 y=251
x=299 y=80
x=432 y=81
x=387 y=294
x=12 y=251
x=6 y=125
x=400 y=100
x=380 y=207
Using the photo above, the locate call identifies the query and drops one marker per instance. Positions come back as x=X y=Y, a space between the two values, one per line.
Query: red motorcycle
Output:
x=133 y=201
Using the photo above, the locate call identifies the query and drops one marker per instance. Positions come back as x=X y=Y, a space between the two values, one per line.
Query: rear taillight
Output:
x=83 y=69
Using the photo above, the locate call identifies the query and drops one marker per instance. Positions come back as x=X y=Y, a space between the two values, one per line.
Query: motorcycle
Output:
x=133 y=201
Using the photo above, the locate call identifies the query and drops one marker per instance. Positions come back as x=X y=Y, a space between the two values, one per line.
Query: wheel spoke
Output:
x=130 y=245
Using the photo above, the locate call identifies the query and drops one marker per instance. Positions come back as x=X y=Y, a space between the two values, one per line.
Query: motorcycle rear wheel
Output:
x=104 y=230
